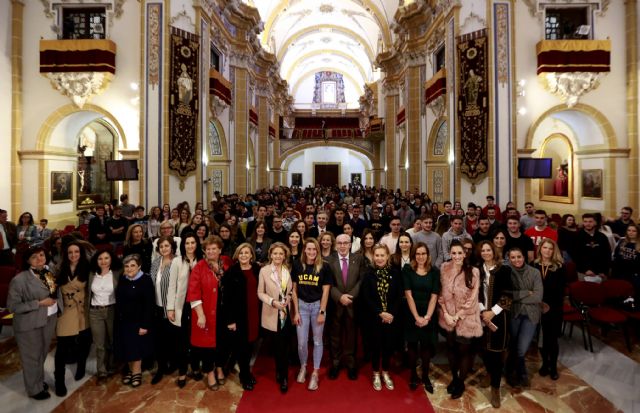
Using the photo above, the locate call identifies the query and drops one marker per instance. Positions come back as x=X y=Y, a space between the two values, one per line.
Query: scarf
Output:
x=48 y=279
x=383 y=279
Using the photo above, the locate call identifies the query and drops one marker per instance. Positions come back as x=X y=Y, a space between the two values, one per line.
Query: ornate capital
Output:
x=79 y=86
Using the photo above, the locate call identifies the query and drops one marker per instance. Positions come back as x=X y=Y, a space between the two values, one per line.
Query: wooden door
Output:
x=327 y=174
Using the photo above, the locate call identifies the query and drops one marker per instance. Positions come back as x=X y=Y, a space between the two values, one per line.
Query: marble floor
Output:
x=604 y=381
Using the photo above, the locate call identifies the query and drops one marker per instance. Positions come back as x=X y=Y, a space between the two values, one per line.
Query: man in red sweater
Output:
x=540 y=230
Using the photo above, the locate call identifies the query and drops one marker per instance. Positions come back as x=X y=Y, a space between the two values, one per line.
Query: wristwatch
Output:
x=322 y=312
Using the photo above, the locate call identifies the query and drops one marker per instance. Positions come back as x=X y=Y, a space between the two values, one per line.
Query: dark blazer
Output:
x=371 y=298
x=266 y=243
x=25 y=292
x=232 y=299
x=11 y=233
x=500 y=292
x=357 y=270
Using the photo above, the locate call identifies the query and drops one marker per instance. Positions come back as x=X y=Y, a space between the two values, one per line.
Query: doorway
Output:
x=326 y=174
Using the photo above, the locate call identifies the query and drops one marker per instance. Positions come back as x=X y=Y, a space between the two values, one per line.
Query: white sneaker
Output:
x=377 y=384
x=302 y=374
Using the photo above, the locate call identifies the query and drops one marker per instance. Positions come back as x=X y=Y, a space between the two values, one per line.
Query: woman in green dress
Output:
x=421 y=288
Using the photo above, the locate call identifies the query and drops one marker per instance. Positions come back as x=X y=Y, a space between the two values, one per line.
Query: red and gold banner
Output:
x=435 y=87
x=183 y=104
x=77 y=55
x=473 y=103
x=574 y=56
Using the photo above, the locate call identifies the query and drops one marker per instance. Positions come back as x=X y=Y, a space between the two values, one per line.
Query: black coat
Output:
x=500 y=292
x=232 y=299
x=371 y=298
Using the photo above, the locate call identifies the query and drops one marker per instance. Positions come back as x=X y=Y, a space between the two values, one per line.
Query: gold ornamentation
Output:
x=79 y=86
x=570 y=86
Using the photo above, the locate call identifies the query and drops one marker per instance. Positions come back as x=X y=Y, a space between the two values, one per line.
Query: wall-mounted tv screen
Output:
x=534 y=168
x=126 y=170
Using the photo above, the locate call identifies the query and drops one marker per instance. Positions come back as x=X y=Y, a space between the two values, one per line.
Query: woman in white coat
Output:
x=178 y=309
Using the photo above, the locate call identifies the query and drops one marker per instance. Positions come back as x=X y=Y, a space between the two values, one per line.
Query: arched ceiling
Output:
x=312 y=35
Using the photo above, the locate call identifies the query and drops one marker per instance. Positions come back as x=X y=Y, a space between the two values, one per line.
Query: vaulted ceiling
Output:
x=343 y=36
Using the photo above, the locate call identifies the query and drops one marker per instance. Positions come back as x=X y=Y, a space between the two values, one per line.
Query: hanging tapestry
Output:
x=473 y=104
x=329 y=88
x=183 y=102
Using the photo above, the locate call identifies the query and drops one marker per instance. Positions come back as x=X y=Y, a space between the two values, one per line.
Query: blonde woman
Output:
x=327 y=244
x=275 y=290
x=311 y=286
x=549 y=263
x=381 y=292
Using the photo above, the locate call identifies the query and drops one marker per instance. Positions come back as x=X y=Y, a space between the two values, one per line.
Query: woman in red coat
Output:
x=203 y=296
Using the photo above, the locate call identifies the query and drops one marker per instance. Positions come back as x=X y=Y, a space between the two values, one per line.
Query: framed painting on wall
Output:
x=356 y=179
x=559 y=186
x=296 y=179
x=61 y=186
x=592 y=183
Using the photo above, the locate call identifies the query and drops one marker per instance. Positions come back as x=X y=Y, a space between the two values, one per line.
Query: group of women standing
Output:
x=196 y=306
x=492 y=308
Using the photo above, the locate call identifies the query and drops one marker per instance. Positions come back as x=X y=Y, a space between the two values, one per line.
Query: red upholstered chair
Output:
x=6 y=273
x=592 y=297
x=68 y=229
x=84 y=230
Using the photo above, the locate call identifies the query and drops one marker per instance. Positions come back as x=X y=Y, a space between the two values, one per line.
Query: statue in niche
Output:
x=561 y=181
x=185 y=86
x=471 y=88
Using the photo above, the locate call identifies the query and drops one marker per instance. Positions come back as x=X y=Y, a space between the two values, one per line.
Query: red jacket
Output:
x=203 y=286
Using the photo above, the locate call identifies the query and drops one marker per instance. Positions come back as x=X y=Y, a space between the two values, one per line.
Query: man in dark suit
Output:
x=8 y=239
x=347 y=271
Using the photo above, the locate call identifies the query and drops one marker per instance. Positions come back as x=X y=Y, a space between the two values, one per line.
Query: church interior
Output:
x=179 y=100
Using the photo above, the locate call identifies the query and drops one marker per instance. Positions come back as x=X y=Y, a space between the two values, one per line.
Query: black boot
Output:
x=61 y=389
x=80 y=370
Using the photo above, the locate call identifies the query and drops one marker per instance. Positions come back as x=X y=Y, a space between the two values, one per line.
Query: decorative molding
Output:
x=502 y=43
x=570 y=86
x=183 y=15
x=154 y=24
x=437 y=106
x=79 y=86
x=536 y=8
x=114 y=8
x=217 y=106
x=470 y=18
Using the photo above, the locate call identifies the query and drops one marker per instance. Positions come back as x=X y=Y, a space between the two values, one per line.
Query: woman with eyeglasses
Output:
x=135 y=306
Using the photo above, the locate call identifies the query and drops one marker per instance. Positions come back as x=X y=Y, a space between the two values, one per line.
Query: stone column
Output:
x=391 y=106
x=631 y=21
x=17 y=12
x=263 y=141
x=241 y=117
x=412 y=111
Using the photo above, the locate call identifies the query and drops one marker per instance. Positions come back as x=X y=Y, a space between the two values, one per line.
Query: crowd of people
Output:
x=192 y=290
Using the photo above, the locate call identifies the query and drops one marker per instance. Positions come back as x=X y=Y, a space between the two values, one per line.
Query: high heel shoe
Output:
x=427 y=384
x=377 y=383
